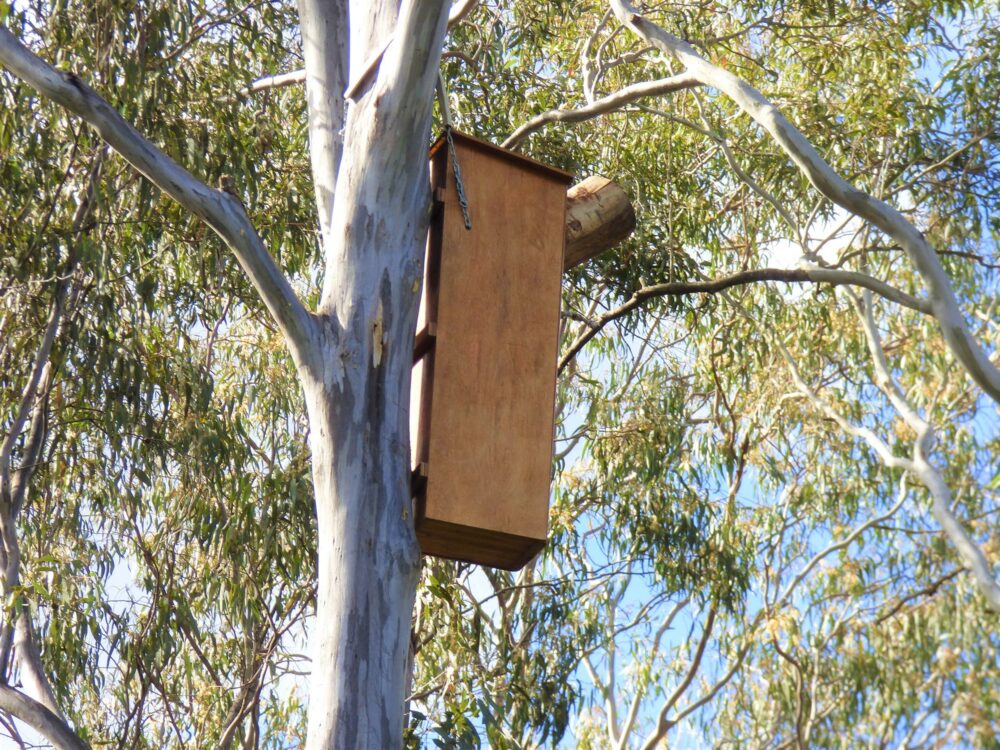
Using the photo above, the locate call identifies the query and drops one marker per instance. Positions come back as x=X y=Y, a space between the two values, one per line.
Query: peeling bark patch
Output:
x=378 y=336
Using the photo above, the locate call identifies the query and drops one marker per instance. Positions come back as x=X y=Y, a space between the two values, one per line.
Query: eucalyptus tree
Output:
x=721 y=442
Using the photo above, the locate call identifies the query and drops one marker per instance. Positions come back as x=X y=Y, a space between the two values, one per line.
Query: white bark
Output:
x=318 y=12
x=41 y=719
x=972 y=557
x=29 y=660
x=324 y=46
x=279 y=81
x=357 y=394
x=919 y=465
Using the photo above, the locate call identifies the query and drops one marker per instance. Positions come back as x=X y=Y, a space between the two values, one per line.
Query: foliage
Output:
x=728 y=565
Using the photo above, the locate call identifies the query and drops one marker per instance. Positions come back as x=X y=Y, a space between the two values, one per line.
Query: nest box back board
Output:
x=483 y=389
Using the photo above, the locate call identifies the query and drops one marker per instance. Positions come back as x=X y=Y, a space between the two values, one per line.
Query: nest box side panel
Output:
x=497 y=314
x=421 y=389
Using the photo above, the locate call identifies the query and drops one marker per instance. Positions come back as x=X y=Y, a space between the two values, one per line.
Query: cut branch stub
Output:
x=599 y=215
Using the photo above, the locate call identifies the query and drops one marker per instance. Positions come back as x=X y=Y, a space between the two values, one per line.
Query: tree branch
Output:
x=30 y=662
x=324 y=28
x=975 y=561
x=38 y=368
x=397 y=101
x=41 y=719
x=604 y=105
x=973 y=557
x=223 y=212
x=459 y=11
x=942 y=299
x=31 y=453
x=633 y=710
x=929 y=590
x=278 y=81
x=662 y=723
x=839 y=545
x=788 y=276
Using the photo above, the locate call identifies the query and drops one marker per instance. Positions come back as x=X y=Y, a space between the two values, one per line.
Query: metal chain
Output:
x=463 y=201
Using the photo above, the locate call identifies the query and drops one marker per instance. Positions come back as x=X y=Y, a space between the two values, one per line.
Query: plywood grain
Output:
x=485 y=386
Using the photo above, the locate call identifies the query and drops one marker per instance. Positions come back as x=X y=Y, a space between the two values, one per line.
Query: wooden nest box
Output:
x=483 y=388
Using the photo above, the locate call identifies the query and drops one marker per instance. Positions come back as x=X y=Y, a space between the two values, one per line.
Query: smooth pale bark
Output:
x=357 y=394
x=324 y=43
x=941 y=498
x=41 y=719
x=326 y=10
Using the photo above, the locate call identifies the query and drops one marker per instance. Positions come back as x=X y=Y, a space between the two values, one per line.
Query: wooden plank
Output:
x=424 y=341
x=513 y=158
x=421 y=379
x=480 y=546
x=493 y=296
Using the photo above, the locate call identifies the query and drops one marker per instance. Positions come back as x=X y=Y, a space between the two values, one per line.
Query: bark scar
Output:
x=378 y=340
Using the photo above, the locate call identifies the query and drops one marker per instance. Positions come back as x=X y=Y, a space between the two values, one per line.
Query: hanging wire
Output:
x=463 y=201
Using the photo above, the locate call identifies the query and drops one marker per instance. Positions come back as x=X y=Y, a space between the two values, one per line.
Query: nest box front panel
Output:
x=494 y=311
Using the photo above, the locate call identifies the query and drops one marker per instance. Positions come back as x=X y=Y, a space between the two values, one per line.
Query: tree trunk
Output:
x=357 y=388
x=368 y=563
